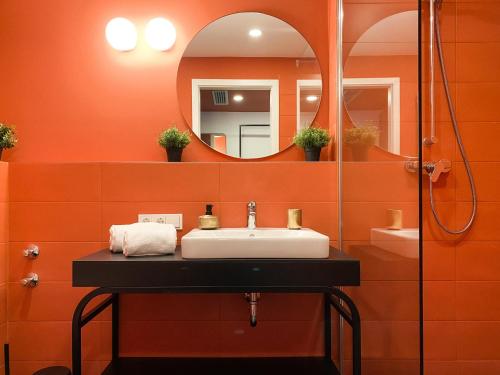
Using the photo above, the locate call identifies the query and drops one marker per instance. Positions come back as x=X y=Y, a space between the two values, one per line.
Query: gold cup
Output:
x=294 y=218
x=394 y=219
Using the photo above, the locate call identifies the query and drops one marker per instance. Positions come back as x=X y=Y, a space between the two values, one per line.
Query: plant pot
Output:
x=312 y=154
x=359 y=152
x=174 y=154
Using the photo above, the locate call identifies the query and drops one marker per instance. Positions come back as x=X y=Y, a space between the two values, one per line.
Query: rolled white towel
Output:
x=149 y=239
x=116 y=233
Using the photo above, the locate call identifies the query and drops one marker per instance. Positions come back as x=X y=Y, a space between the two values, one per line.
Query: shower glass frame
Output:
x=339 y=159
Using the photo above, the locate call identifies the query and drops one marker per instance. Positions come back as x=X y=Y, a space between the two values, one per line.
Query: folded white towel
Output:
x=149 y=239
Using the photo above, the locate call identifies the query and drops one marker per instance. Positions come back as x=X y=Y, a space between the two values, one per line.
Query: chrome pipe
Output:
x=432 y=139
x=252 y=299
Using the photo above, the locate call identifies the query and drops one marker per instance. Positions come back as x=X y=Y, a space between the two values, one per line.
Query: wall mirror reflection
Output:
x=375 y=102
x=247 y=83
x=381 y=83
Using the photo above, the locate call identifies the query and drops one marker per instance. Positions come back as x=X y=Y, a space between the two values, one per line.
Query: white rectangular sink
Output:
x=403 y=242
x=255 y=243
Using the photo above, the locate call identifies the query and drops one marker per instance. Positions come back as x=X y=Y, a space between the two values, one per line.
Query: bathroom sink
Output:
x=255 y=243
x=403 y=242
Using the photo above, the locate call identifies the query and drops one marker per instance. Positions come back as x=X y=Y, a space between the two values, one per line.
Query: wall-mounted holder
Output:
x=30 y=281
x=32 y=251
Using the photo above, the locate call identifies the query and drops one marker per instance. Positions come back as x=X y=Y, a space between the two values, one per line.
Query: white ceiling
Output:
x=228 y=37
x=393 y=35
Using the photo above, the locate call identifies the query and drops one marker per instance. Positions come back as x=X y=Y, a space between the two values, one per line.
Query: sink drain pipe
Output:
x=252 y=299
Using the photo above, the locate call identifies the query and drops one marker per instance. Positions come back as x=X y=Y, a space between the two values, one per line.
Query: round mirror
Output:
x=247 y=83
x=381 y=84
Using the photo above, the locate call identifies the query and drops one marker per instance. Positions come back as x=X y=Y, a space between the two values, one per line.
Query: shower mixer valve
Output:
x=435 y=169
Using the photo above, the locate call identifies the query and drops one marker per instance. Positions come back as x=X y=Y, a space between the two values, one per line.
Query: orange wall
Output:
x=282 y=69
x=68 y=216
x=388 y=296
x=462 y=309
x=73 y=98
x=4 y=238
x=78 y=104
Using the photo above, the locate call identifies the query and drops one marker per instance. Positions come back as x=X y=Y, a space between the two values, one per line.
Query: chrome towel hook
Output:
x=32 y=251
x=30 y=281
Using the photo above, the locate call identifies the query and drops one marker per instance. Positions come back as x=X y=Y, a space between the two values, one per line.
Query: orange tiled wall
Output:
x=74 y=98
x=4 y=238
x=388 y=295
x=462 y=278
x=67 y=209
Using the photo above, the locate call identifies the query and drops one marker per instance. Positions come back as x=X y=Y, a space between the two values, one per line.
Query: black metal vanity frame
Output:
x=114 y=274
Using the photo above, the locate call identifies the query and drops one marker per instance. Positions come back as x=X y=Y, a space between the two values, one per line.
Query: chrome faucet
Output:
x=252 y=213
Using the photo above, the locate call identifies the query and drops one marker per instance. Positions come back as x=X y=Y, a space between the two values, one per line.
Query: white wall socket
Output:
x=174 y=219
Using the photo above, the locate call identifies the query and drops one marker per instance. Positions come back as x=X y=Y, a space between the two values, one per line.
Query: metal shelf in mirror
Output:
x=247 y=83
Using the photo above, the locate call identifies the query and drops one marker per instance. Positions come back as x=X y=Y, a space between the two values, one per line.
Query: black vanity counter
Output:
x=105 y=269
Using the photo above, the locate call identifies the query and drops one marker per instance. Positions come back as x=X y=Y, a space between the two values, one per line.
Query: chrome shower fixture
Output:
x=435 y=34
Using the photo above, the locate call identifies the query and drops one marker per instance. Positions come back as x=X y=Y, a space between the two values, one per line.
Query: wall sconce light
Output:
x=160 y=34
x=121 y=34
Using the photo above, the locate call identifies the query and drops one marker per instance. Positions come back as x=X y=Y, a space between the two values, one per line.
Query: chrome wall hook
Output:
x=30 y=281
x=32 y=251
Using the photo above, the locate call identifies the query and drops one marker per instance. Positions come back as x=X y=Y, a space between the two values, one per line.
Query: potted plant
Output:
x=312 y=140
x=8 y=137
x=174 y=141
x=360 y=139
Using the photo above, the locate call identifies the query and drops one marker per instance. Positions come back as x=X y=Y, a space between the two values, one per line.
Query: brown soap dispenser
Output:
x=208 y=221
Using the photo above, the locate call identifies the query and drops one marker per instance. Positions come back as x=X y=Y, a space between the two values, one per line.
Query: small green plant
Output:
x=312 y=138
x=174 y=138
x=8 y=137
x=364 y=135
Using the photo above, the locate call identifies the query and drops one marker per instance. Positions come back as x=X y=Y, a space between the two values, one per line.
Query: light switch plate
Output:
x=174 y=219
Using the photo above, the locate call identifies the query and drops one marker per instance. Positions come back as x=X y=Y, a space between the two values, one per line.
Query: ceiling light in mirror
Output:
x=312 y=98
x=121 y=34
x=220 y=67
x=255 y=33
x=160 y=34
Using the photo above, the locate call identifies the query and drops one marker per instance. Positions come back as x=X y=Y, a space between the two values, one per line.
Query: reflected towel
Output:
x=149 y=239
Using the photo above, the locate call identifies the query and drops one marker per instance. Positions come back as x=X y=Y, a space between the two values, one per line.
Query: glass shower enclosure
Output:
x=379 y=148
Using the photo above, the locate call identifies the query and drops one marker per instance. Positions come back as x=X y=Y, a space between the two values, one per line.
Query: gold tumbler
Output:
x=394 y=219
x=294 y=218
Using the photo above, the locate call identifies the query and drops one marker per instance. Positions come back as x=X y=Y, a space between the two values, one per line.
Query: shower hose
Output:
x=458 y=136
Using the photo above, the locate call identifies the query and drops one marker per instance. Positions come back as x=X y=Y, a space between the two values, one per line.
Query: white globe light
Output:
x=312 y=98
x=160 y=34
x=238 y=98
x=121 y=34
